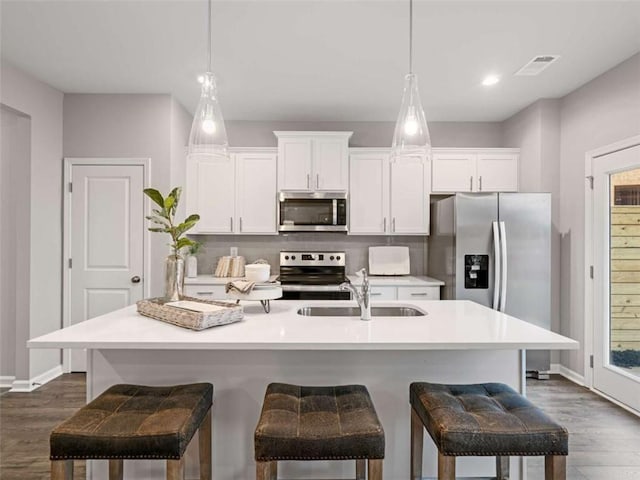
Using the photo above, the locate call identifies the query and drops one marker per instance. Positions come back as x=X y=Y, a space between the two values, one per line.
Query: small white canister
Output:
x=257 y=272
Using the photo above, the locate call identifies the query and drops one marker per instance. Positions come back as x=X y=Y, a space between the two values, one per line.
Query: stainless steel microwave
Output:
x=312 y=211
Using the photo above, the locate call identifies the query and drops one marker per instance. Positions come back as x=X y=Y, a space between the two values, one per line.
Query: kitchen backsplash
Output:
x=268 y=247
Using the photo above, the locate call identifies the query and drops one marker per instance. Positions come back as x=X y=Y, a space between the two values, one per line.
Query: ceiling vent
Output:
x=537 y=64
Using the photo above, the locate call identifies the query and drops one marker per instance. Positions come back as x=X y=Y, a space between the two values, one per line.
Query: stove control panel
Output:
x=301 y=259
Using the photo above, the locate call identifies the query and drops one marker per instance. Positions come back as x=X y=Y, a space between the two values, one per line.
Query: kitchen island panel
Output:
x=240 y=379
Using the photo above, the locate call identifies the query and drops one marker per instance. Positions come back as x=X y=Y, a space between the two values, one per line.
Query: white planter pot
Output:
x=192 y=266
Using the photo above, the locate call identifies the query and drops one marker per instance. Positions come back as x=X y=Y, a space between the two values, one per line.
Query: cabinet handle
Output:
x=240 y=224
x=307 y=180
x=317 y=180
x=384 y=225
x=471 y=184
x=204 y=293
x=423 y=294
x=393 y=225
x=231 y=223
x=480 y=182
x=374 y=294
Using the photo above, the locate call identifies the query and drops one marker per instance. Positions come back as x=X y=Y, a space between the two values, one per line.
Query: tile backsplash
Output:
x=268 y=247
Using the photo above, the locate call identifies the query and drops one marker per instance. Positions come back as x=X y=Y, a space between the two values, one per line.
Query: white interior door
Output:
x=616 y=246
x=105 y=230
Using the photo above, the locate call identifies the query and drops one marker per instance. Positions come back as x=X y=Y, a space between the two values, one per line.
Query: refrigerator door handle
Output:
x=496 y=266
x=503 y=255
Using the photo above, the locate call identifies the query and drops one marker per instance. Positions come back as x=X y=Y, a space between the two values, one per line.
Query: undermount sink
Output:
x=391 y=311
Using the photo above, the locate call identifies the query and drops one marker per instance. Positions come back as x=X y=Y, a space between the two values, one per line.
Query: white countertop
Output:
x=449 y=325
x=398 y=281
x=379 y=281
x=211 y=280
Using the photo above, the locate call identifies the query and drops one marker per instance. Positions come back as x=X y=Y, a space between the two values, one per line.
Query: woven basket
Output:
x=156 y=308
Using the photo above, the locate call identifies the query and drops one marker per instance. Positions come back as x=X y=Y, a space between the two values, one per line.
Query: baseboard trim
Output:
x=26 y=386
x=567 y=373
x=6 y=381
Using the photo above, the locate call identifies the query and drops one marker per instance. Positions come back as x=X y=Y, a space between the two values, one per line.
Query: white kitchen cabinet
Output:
x=206 y=292
x=474 y=170
x=388 y=198
x=233 y=196
x=418 y=293
x=410 y=180
x=256 y=193
x=383 y=293
x=369 y=193
x=313 y=161
x=210 y=193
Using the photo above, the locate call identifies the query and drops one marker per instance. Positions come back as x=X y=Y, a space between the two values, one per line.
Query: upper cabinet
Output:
x=233 y=196
x=313 y=161
x=475 y=170
x=388 y=198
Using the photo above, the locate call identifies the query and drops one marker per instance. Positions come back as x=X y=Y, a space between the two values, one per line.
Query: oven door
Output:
x=314 y=292
x=311 y=212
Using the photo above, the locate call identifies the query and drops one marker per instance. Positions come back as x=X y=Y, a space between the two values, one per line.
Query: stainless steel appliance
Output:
x=495 y=249
x=312 y=211
x=313 y=275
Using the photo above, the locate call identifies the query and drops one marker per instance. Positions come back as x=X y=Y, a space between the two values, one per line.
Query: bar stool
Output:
x=318 y=423
x=488 y=419
x=136 y=422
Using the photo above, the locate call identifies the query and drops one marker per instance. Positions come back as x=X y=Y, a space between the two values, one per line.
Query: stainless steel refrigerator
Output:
x=495 y=249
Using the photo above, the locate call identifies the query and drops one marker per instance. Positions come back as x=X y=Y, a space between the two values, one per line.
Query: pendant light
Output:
x=208 y=134
x=411 y=136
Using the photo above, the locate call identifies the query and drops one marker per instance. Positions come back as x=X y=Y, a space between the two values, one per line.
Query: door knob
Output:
x=135 y=279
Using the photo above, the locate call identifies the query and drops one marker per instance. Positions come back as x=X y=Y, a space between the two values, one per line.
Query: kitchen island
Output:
x=455 y=342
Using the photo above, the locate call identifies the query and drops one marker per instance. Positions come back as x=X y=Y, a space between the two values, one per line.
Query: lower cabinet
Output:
x=404 y=293
x=206 y=292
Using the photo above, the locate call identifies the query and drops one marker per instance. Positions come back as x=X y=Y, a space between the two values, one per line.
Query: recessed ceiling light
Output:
x=490 y=80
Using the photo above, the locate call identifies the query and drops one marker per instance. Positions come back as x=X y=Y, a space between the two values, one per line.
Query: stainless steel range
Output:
x=313 y=275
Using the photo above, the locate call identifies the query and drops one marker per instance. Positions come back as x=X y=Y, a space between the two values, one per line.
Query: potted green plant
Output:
x=164 y=217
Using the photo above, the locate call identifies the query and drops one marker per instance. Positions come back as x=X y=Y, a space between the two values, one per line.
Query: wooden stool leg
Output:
x=175 y=469
x=502 y=468
x=61 y=469
x=375 y=468
x=555 y=467
x=273 y=470
x=361 y=466
x=446 y=467
x=204 y=442
x=265 y=470
x=116 y=469
x=416 y=446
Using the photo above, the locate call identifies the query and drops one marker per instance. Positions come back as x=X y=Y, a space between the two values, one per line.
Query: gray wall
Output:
x=43 y=104
x=125 y=126
x=268 y=247
x=603 y=111
x=536 y=131
x=15 y=191
x=368 y=134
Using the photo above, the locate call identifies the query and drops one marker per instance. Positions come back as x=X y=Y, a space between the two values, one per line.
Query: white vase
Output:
x=192 y=266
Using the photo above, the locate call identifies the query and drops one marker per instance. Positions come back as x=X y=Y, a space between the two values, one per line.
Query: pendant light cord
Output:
x=209 y=37
x=410 y=36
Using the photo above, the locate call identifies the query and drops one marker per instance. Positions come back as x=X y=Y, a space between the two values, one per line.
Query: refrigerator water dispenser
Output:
x=476 y=271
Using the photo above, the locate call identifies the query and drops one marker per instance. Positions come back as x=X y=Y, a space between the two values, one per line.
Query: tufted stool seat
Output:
x=489 y=419
x=136 y=422
x=318 y=423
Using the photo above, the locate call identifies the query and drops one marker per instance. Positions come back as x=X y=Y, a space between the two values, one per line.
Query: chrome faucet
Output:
x=363 y=297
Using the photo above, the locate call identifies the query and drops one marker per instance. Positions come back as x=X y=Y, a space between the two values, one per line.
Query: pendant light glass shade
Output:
x=411 y=136
x=208 y=133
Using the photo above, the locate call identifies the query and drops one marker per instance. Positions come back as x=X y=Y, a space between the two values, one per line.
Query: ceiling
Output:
x=322 y=60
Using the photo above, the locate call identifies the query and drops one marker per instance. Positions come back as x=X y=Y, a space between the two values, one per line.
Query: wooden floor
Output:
x=604 y=440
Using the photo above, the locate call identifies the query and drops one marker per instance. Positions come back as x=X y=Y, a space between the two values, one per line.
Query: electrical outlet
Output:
x=233 y=251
